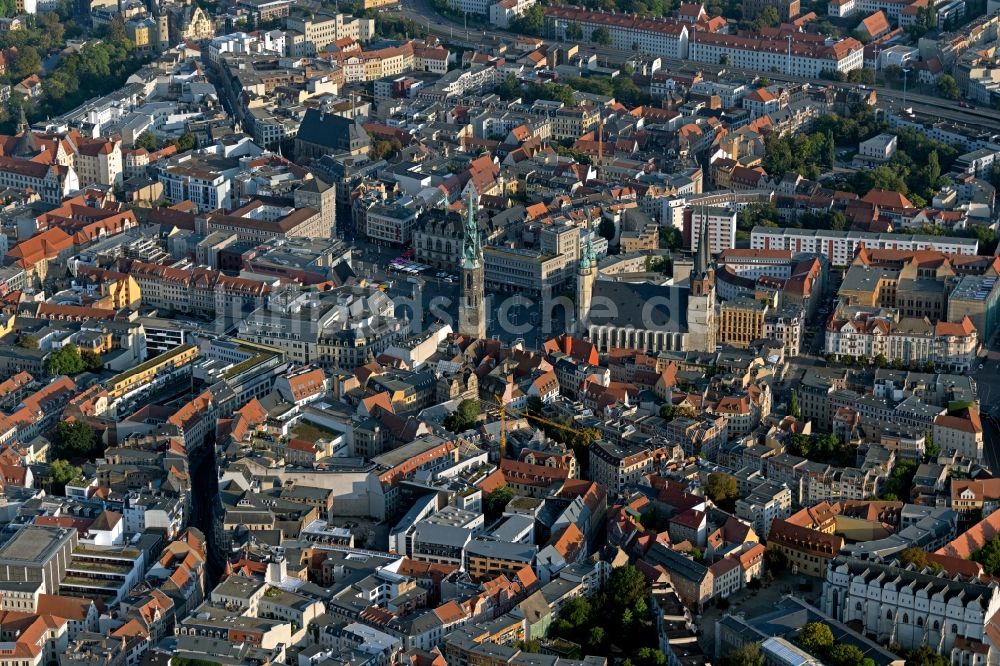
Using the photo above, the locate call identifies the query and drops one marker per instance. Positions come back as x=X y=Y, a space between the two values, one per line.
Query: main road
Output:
x=456 y=32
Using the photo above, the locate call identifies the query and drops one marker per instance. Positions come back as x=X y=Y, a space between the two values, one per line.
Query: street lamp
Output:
x=906 y=70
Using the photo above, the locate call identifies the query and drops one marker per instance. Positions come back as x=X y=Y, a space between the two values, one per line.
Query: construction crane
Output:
x=502 y=409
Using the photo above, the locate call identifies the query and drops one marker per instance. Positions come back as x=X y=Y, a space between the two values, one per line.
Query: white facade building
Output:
x=841 y=246
x=914 y=608
x=796 y=55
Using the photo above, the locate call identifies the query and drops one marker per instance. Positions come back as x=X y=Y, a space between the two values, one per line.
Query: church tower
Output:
x=471 y=311
x=586 y=273
x=702 y=324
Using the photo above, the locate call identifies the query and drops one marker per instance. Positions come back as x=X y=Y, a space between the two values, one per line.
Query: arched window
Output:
x=857 y=606
x=920 y=621
x=888 y=615
x=954 y=628
x=906 y=618
x=936 y=625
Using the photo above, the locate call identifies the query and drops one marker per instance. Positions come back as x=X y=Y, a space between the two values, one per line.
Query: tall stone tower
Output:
x=586 y=273
x=472 y=309
x=702 y=324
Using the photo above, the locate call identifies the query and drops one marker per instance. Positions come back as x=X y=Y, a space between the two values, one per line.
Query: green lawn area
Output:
x=312 y=432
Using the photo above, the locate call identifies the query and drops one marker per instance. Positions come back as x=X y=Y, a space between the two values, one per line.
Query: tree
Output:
x=948 y=87
x=626 y=587
x=75 y=439
x=574 y=31
x=188 y=141
x=793 y=405
x=600 y=35
x=64 y=361
x=925 y=655
x=767 y=18
x=509 y=88
x=775 y=559
x=913 y=555
x=747 y=655
x=596 y=639
x=647 y=656
x=606 y=229
x=146 y=140
x=26 y=62
x=843 y=654
x=816 y=638
x=27 y=342
x=116 y=31
x=531 y=22
x=989 y=556
x=722 y=490
x=465 y=415
x=61 y=473
x=534 y=404
x=497 y=501
x=931 y=450
x=92 y=360
x=670 y=412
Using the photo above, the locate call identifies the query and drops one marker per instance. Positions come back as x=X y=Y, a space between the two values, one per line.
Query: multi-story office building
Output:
x=38 y=554
x=322 y=29
x=720 y=223
x=841 y=246
x=525 y=270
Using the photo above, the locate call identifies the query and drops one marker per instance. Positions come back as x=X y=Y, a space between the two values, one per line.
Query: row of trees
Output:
x=510 y=89
x=805 y=154
x=826 y=449
x=96 y=69
x=622 y=88
x=817 y=639
x=897 y=486
x=617 y=617
x=68 y=360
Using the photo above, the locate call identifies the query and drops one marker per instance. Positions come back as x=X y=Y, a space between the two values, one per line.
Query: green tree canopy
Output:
x=64 y=361
x=146 y=140
x=606 y=229
x=948 y=87
x=600 y=35
x=75 y=439
x=26 y=62
x=497 y=501
x=62 y=472
x=722 y=490
x=531 y=22
x=464 y=417
x=748 y=655
x=989 y=556
x=27 y=342
x=816 y=638
x=92 y=360
x=843 y=654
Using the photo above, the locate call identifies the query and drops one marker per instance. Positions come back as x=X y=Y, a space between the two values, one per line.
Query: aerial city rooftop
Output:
x=499 y=333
